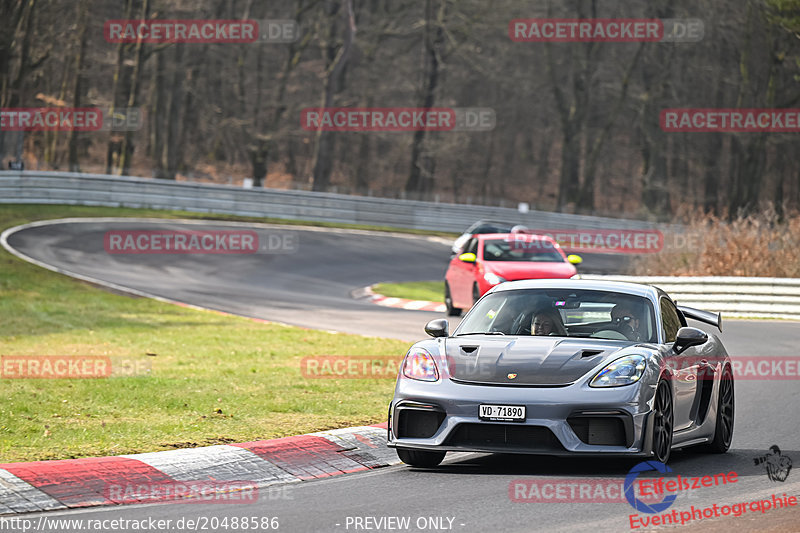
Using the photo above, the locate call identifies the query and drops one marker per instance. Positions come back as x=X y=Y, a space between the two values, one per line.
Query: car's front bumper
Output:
x=574 y=419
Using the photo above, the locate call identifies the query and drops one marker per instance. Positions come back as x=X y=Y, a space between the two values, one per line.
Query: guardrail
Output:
x=744 y=297
x=115 y=191
x=732 y=296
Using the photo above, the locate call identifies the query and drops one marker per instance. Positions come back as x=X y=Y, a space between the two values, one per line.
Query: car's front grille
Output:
x=534 y=438
x=418 y=424
x=599 y=430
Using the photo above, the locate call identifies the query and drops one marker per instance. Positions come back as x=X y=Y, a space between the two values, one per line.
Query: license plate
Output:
x=513 y=413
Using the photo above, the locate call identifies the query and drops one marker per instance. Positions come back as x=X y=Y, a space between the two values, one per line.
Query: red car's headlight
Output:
x=419 y=365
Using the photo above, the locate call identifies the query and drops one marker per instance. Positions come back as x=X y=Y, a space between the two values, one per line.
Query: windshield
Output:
x=512 y=250
x=491 y=228
x=563 y=313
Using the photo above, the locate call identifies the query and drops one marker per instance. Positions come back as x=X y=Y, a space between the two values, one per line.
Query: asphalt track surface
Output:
x=307 y=283
x=312 y=288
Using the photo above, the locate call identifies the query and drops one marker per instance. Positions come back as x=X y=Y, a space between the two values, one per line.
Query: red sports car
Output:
x=493 y=258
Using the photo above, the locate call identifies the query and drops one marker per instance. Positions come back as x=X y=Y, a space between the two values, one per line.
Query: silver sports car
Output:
x=562 y=367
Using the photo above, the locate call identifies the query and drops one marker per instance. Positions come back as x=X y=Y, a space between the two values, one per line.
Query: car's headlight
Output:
x=623 y=371
x=493 y=278
x=419 y=365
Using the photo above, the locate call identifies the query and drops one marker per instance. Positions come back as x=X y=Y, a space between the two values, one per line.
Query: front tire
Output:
x=448 y=302
x=476 y=294
x=723 y=429
x=662 y=423
x=420 y=458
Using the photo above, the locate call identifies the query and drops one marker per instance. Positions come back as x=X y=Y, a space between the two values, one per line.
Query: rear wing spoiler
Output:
x=707 y=317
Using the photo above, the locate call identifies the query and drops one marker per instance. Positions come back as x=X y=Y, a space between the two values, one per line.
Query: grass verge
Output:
x=431 y=291
x=214 y=378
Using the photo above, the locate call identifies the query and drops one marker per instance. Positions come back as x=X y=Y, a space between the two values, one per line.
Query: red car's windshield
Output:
x=530 y=250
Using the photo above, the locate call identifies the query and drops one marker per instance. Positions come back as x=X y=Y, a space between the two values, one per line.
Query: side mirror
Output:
x=437 y=328
x=468 y=257
x=575 y=259
x=688 y=337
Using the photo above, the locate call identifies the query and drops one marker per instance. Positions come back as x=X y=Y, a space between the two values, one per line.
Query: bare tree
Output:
x=336 y=59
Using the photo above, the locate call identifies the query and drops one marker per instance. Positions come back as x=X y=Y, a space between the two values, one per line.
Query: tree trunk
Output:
x=78 y=88
x=18 y=85
x=323 y=153
x=170 y=157
x=19 y=15
x=420 y=179
x=11 y=18
x=156 y=119
x=117 y=92
x=569 y=181
x=654 y=169
x=586 y=195
x=363 y=166
x=133 y=97
x=713 y=153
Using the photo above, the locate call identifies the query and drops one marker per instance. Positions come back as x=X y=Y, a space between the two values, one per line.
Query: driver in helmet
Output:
x=627 y=321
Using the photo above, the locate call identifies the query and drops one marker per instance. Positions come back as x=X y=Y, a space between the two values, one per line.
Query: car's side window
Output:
x=670 y=320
